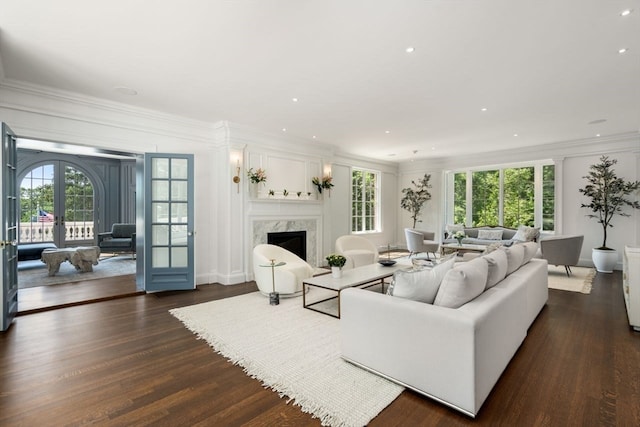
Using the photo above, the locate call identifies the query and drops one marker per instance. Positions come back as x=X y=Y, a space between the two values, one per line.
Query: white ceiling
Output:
x=543 y=69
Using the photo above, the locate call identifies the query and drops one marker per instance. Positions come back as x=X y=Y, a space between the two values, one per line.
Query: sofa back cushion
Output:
x=497 y=267
x=515 y=256
x=530 y=250
x=462 y=283
x=122 y=230
x=421 y=284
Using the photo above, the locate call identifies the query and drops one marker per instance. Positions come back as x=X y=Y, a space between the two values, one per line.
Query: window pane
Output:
x=364 y=195
x=548 y=198
x=460 y=198
x=518 y=203
x=486 y=190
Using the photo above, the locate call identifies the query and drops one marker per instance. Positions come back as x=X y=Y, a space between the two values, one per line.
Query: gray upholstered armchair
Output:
x=421 y=241
x=121 y=239
x=562 y=250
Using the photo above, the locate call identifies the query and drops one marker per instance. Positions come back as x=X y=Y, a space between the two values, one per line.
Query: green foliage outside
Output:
x=37 y=193
x=363 y=193
x=518 y=197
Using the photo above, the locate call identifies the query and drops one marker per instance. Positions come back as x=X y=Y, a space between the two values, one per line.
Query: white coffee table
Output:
x=363 y=277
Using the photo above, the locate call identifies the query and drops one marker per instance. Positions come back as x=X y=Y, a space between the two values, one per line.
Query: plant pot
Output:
x=604 y=260
x=336 y=272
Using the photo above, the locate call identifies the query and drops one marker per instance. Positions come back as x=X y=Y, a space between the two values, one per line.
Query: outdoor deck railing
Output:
x=34 y=232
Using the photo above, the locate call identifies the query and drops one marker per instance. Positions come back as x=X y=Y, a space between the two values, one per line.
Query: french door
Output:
x=9 y=233
x=168 y=222
x=57 y=205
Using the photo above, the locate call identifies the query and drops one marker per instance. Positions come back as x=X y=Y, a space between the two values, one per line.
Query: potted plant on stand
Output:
x=336 y=262
x=413 y=199
x=608 y=195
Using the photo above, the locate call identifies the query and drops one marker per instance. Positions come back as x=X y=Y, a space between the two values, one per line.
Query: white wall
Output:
x=222 y=243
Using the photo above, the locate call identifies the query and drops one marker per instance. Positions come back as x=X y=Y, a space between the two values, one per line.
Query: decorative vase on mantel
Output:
x=459 y=242
x=336 y=272
x=253 y=190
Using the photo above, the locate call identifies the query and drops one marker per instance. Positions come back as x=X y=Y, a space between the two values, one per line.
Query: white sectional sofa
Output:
x=452 y=355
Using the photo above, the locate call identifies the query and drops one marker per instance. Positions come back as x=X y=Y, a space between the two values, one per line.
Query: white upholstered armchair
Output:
x=358 y=250
x=421 y=241
x=288 y=277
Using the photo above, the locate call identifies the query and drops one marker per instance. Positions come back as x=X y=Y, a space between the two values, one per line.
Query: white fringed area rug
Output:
x=293 y=351
x=580 y=280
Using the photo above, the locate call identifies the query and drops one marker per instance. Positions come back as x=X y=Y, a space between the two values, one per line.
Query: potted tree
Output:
x=608 y=196
x=413 y=199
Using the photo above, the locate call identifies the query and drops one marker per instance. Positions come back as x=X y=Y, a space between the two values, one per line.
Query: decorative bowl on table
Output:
x=387 y=262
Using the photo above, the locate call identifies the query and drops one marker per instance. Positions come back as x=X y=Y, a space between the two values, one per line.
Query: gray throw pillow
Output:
x=419 y=285
x=463 y=283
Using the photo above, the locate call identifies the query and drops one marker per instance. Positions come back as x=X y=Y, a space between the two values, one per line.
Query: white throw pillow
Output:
x=490 y=234
x=526 y=233
x=515 y=255
x=463 y=283
x=530 y=250
x=419 y=285
x=497 y=263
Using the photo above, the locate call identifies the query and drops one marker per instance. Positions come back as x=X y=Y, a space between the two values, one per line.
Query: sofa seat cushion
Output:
x=422 y=284
x=463 y=283
x=118 y=242
x=33 y=251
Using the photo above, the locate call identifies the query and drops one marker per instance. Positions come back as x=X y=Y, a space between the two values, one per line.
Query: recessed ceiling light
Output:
x=515 y=134
x=123 y=90
x=597 y=134
x=387 y=131
x=410 y=49
x=314 y=137
x=623 y=50
x=284 y=129
x=433 y=148
x=483 y=109
x=626 y=12
x=294 y=99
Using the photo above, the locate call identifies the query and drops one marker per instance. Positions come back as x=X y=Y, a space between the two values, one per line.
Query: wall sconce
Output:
x=236 y=178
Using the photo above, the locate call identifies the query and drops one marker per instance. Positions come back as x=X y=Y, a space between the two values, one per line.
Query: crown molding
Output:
x=57 y=103
x=623 y=142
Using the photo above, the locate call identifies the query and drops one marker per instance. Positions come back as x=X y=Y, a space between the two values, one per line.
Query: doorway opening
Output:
x=66 y=200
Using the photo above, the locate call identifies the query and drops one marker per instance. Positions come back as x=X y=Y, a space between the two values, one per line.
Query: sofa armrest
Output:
x=431 y=351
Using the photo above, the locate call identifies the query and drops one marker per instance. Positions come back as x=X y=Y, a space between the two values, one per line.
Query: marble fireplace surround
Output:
x=260 y=228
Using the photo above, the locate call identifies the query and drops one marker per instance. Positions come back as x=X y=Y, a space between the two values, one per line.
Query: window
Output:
x=504 y=196
x=365 y=216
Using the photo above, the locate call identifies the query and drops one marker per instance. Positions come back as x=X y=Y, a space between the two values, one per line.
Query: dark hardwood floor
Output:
x=128 y=362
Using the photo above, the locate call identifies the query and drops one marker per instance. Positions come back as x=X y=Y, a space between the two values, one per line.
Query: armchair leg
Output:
x=568 y=270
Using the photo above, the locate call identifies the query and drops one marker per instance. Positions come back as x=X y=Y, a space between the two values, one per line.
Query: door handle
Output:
x=5 y=243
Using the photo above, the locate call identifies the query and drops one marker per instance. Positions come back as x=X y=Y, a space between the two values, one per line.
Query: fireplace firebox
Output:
x=293 y=241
